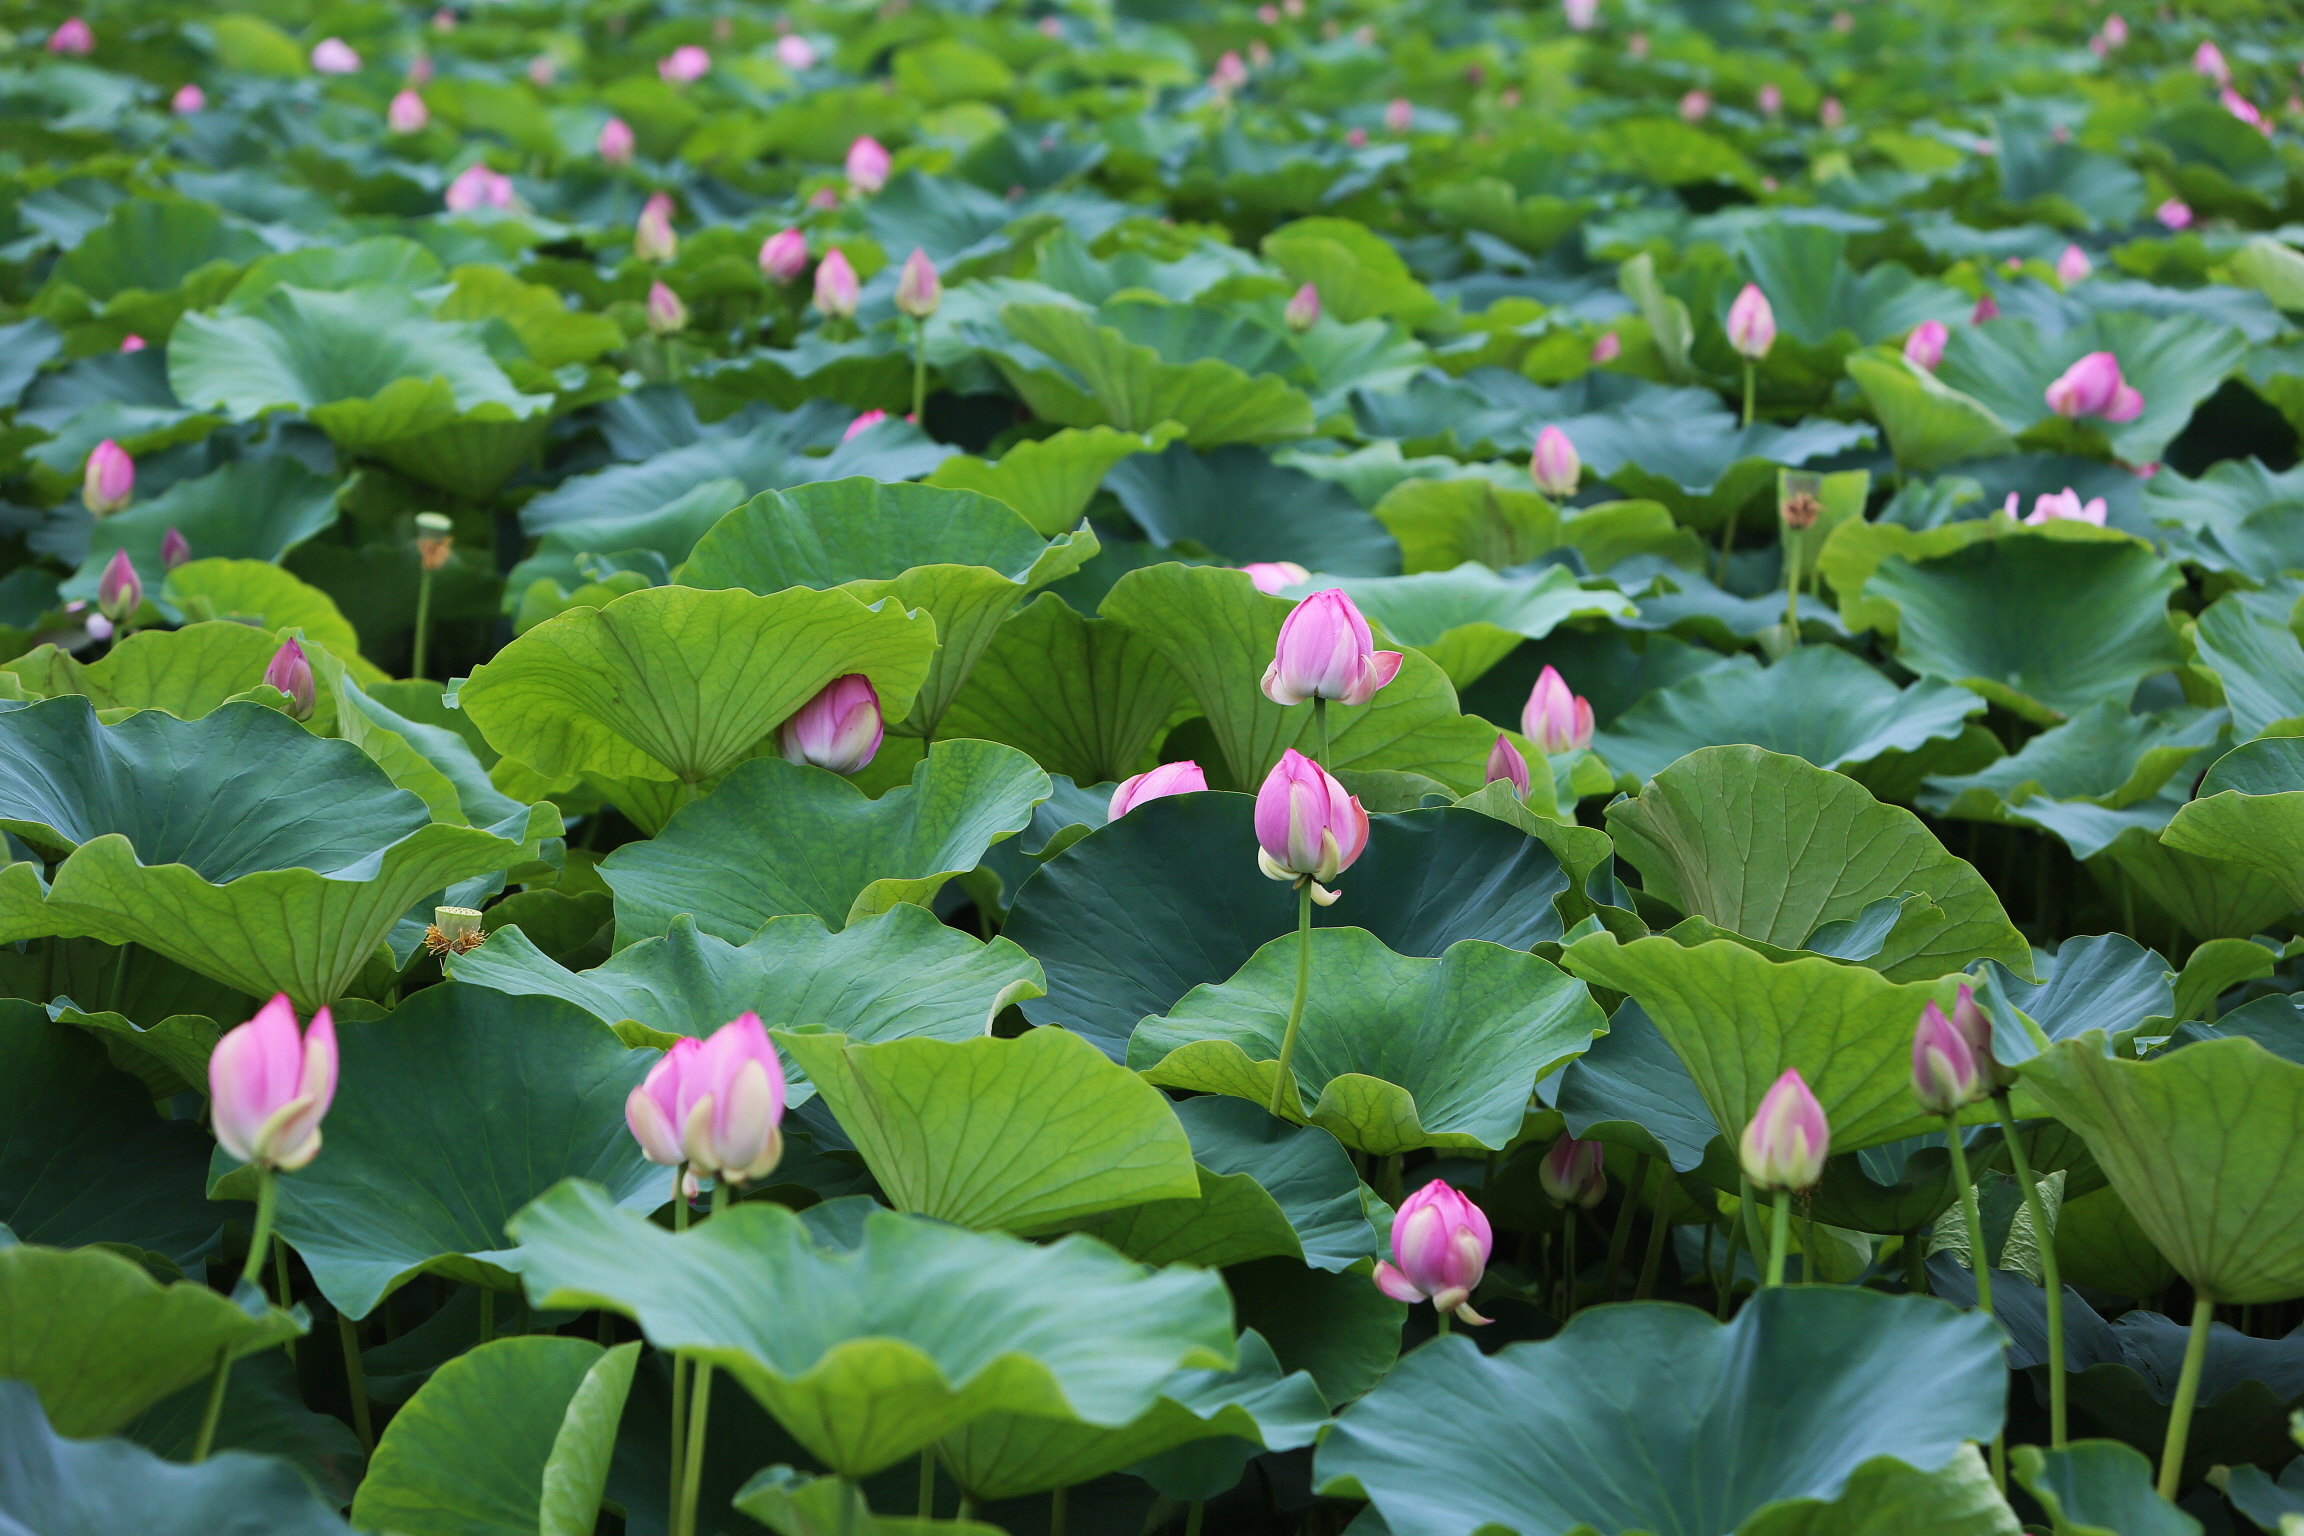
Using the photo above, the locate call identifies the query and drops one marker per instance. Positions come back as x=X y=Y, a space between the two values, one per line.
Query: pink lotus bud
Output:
x=1581 y=15
x=334 y=56
x=476 y=186
x=2244 y=109
x=1260 y=53
x=794 y=52
x=1398 y=115
x=188 y=100
x=1268 y=15
x=1695 y=106
x=2093 y=387
x=1050 y=26
x=1637 y=45
x=1843 y=22
x=1771 y=99
x=2066 y=506
x=1303 y=311
x=2174 y=214
x=1440 y=1247
x=652 y=1110
x=1272 y=577
x=918 y=289
x=407 y=114
x=823 y=200
x=1356 y=138
x=731 y=1101
x=684 y=65
x=1228 y=75
x=1831 y=114
x=1554 y=718
x=1985 y=310
x=443 y=20
x=784 y=255
x=1555 y=465
x=616 y=141
x=836 y=285
x=1924 y=348
x=867 y=165
x=133 y=343
x=269 y=1086
x=2073 y=265
x=291 y=673
x=1574 y=1173
x=2115 y=31
x=120 y=593
x=175 y=549
x=1945 y=1076
x=1506 y=763
x=1184 y=778
x=839 y=729
x=652 y=236
x=1751 y=323
x=1607 y=349
x=2208 y=59
x=72 y=36
x=420 y=70
x=666 y=313
x=1785 y=1145
x=1325 y=651
x=1307 y=825
x=108 y=480
x=542 y=71
x=863 y=424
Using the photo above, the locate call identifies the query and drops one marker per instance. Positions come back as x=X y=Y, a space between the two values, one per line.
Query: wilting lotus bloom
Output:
x=1574 y=1173
x=2208 y=59
x=1831 y=114
x=863 y=424
x=542 y=71
x=1581 y=15
x=476 y=186
x=615 y=142
x=1607 y=349
x=1785 y=1145
x=2174 y=214
x=1924 y=348
x=1771 y=98
x=119 y=593
x=1506 y=763
x=1554 y=718
x=1303 y=311
x=1751 y=323
x=918 y=289
x=2066 y=506
x=1398 y=115
x=666 y=313
x=839 y=729
x=1184 y=778
x=652 y=236
x=1945 y=1076
x=794 y=52
x=1229 y=74
x=2244 y=109
x=334 y=56
x=175 y=549
x=108 y=480
x=731 y=1102
x=1325 y=651
x=1307 y=826
x=1695 y=106
x=407 y=114
x=652 y=1110
x=684 y=65
x=836 y=286
x=269 y=1086
x=1271 y=576
x=290 y=671
x=867 y=164
x=72 y=36
x=1440 y=1247
x=2073 y=265
x=1555 y=466
x=2093 y=387
x=784 y=255
x=188 y=100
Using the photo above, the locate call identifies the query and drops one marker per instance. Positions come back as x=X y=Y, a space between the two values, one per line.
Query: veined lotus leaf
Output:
x=1104 y=379
x=673 y=683
x=452 y=1112
x=868 y=1354
x=1631 y=1091
x=2250 y=811
x=1049 y=480
x=2098 y=1488
x=153 y=245
x=2088 y=780
x=260 y=593
x=1358 y=272
x=249 y=509
x=1773 y=848
x=2245 y=640
x=386 y=261
x=1395 y=1052
x=962 y=557
x=1470 y=618
x=187 y=672
x=2175 y=362
x=169 y=1057
x=779 y=838
x=1023 y=1134
x=1239 y=504
x=2106 y=981
x=1784 y=1406
x=1930 y=425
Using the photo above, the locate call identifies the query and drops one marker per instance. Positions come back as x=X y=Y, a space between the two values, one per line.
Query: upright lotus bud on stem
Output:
x=1440 y=1247
x=290 y=671
x=72 y=36
x=175 y=549
x=2093 y=387
x=119 y=593
x=616 y=141
x=2174 y=214
x=1924 y=348
x=1326 y=651
x=1574 y=1173
x=731 y=1103
x=1308 y=827
x=1505 y=762
x=1771 y=98
x=795 y=52
x=1751 y=323
x=1785 y=1145
x=666 y=314
x=652 y=1110
x=434 y=539
x=1303 y=311
x=1945 y=1076
x=918 y=289
x=1555 y=466
x=108 y=481
x=684 y=65
x=2073 y=265
x=1975 y=1027
x=867 y=165
x=454 y=931
x=1272 y=577
x=407 y=113
x=1554 y=718
x=836 y=286
x=1184 y=778
x=784 y=255
x=188 y=99
x=2208 y=60
x=269 y=1086
x=839 y=729
x=334 y=56
x=652 y=236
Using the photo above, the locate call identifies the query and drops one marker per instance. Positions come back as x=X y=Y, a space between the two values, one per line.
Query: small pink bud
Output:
x=443 y=20
x=1272 y=577
x=1945 y=1076
x=2114 y=31
x=839 y=729
x=334 y=56
x=615 y=143
x=794 y=53
x=1303 y=311
x=1268 y=14
x=784 y=255
x=731 y=1103
x=666 y=313
x=2066 y=506
x=2244 y=109
x=407 y=113
x=1398 y=115
x=684 y=65
x=175 y=549
x=1637 y=45
x=1695 y=107
x=652 y=1110
x=72 y=36
x=2208 y=60
x=476 y=186
x=1831 y=114
x=291 y=672
x=1306 y=824
x=1785 y=1145
x=863 y=424
x=2174 y=214
x=188 y=100
x=867 y=165
x=542 y=71
x=918 y=289
x=1924 y=348
x=269 y=1086
x=108 y=480
x=1751 y=323
x=1326 y=651
x=1184 y=778
x=1555 y=465
x=1229 y=74
x=1985 y=310
x=2093 y=387
x=1356 y=138
x=119 y=593
x=1771 y=99
x=420 y=70
x=1440 y=1247
x=652 y=236
x=836 y=286
x=1505 y=762
x=1607 y=349
x=133 y=343
x=2073 y=265
x=1574 y=1173
x=1554 y=718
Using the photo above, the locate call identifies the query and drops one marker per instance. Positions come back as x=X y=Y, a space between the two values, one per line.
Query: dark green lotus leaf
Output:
x=2238 y=516
x=169 y=1057
x=2175 y=363
x=868 y=1354
x=188 y=672
x=2089 y=780
x=123 y=396
x=2273 y=1022
x=1785 y=1405
x=2250 y=811
x=264 y=1413
x=251 y=509
x=1930 y=425
x=1470 y=618
x=1631 y=1091
x=1050 y=480
x=2264 y=1501
x=780 y=838
x=1606 y=415
x=2200 y=897
x=2105 y=981
x=571 y=555
x=1239 y=505
x=2098 y=1488
x=435 y=761
x=154 y=245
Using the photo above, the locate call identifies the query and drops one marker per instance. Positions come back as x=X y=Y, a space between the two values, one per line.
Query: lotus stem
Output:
x=1779 y=1237
x=1443 y=1323
x=418 y=646
x=1621 y=1238
x=1320 y=726
x=1303 y=988
x=1978 y=1257
x=1791 y=589
x=267 y=1190
x=1568 y=1268
x=699 y=1408
x=1192 y=1517
x=2050 y=1277
x=356 y=1384
x=920 y=374
x=1748 y=382
x=1056 y=1511
x=1659 y=1232
x=2187 y=1393
x=215 y=1405
x=927 y=1482
x=679 y=1362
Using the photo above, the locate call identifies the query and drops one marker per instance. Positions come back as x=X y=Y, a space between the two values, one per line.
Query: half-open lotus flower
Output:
x=731 y=1103
x=1555 y=718
x=72 y=36
x=1182 y=778
x=1440 y=1247
x=652 y=1110
x=269 y=1086
x=2066 y=506
x=1326 y=651
x=2093 y=387
x=1307 y=826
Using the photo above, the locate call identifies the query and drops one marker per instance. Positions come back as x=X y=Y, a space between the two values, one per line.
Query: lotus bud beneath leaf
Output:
x=1554 y=718
x=918 y=289
x=1307 y=826
x=1785 y=1145
x=108 y=480
x=1440 y=1247
x=839 y=729
x=1555 y=466
x=1924 y=348
x=2073 y=265
x=1986 y=309
x=476 y=186
x=866 y=165
x=652 y=236
x=795 y=52
x=1695 y=106
x=1771 y=98
x=2093 y=387
x=2066 y=506
x=72 y=36
x=732 y=1102
x=1229 y=74
x=175 y=549
x=1574 y=1173
x=1183 y=778
x=290 y=671
x=666 y=314
x=407 y=113
x=2174 y=214
x=188 y=99
x=1272 y=577
x=784 y=255
x=616 y=141
x=864 y=423
x=1398 y=115
x=1607 y=349
x=334 y=56
x=652 y=1110
x=1326 y=651
x=1751 y=323
x=455 y=931
x=119 y=593
x=836 y=286
x=269 y=1086
x=1505 y=762
x=2208 y=60
x=1945 y=1076
x=1303 y=311
x=133 y=343
x=1831 y=114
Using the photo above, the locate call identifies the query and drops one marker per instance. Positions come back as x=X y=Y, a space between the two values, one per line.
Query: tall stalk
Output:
x=267 y=1190
x=2051 y=1279
x=2187 y=1393
x=1779 y=1237
x=699 y=1407
x=1303 y=988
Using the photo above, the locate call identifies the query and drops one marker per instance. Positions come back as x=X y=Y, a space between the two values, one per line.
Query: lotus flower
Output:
x=616 y=141
x=2066 y=506
x=1356 y=138
x=188 y=100
x=1184 y=778
x=1771 y=98
x=175 y=549
x=864 y=422
x=2093 y=387
x=666 y=313
x=1506 y=763
x=1574 y=1173
x=1581 y=15
x=1924 y=348
x=2114 y=32
x=119 y=593
x=2073 y=265
x=1398 y=115
x=839 y=729
x=290 y=671
x=652 y=1110
x=269 y=1087
x=1271 y=577
x=2208 y=59
x=1751 y=323
x=1985 y=310
x=2174 y=214
x=1440 y=1247
x=1326 y=651
x=1307 y=826
x=1554 y=718
x=1785 y=1145
x=108 y=479
x=1831 y=114
x=867 y=165
x=1229 y=74
x=684 y=65
x=1945 y=1076
x=652 y=236
x=407 y=113
x=918 y=289
x=334 y=56
x=1303 y=311
x=1607 y=349
x=784 y=255
x=476 y=186
x=794 y=52
x=1555 y=465
x=420 y=70
x=836 y=286
x=731 y=1102
x=1695 y=106
x=72 y=36
x=2244 y=109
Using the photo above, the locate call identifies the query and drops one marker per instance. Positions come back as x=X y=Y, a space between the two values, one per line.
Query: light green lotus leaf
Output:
x=1101 y=378
x=2246 y=641
x=2097 y=1488
x=187 y=672
x=1470 y=618
x=1930 y=425
x=2250 y=811
x=1049 y=480
x=262 y=594
x=2175 y=362
x=249 y=509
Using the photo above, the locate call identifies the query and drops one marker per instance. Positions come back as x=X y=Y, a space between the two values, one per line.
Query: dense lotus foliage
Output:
x=1151 y=766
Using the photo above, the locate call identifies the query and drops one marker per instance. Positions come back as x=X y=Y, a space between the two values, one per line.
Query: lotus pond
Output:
x=1156 y=767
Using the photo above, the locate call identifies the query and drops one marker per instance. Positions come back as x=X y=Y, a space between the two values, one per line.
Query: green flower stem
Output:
x=1320 y=727
x=1436 y=1312
x=1779 y=1237
x=2051 y=1279
x=1303 y=988
x=1728 y=1272
x=1621 y=1238
x=266 y=1194
x=699 y=1407
x=1748 y=1212
x=1748 y=382
x=1976 y=1251
x=423 y=619
x=215 y=1405
x=920 y=374
x=1056 y=1511
x=356 y=1384
x=1659 y=1233
x=280 y=1288
x=1791 y=589
x=927 y=1482
x=1192 y=1518
x=679 y=1362
x=2187 y=1393
x=1568 y=1267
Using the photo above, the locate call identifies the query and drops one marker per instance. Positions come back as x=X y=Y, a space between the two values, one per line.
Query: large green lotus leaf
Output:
x=186 y=672
x=2245 y=640
x=1819 y=703
x=1006 y=1456
x=512 y=1439
x=1358 y=272
x=153 y=245
x=451 y=1113
x=1022 y=1134
x=101 y=1340
x=1470 y=618
x=673 y=683
x=264 y=1413
x=2105 y=981
x=2201 y=1145
x=1930 y=425
x=2175 y=363
x=260 y=593
x=1267 y=1188
x=1218 y=632
x=868 y=1354
x=388 y=261
x=1087 y=698
x=961 y=556
x=435 y=761
x=1782 y=1406
x=1396 y=1052
x=2088 y=780
x=2238 y=516
x=251 y=509
x=2042 y=626
x=119 y=395
x=1049 y=480
x=77 y=1487
x=2205 y=898
x=2098 y=1488
x=554 y=335
x=2250 y=812
x=1240 y=505
x=780 y=838
x=1738 y=1019
x=1822 y=297
x=1461 y=516
x=1631 y=1091
x=1104 y=379
x=1772 y=848
x=1885 y=1497
x=1137 y=913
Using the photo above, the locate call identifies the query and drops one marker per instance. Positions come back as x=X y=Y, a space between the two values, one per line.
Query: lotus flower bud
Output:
x=2066 y=506
x=476 y=186
x=784 y=255
x=1555 y=465
x=795 y=53
x=1695 y=106
x=1326 y=651
x=334 y=56
x=1505 y=762
x=836 y=285
x=2093 y=387
x=867 y=165
x=1771 y=99
x=1607 y=349
x=1356 y=138
x=1924 y=348
x=666 y=313
x=269 y=1086
x=2208 y=60
x=1440 y=1247
x=420 y=70
x=1272 y=577
x=443 y=20
x=1303 y=311
x=838 y=729
x=1975 y=1027
x=119 y=593
x=407 y=113
x=1751 y=323
x=918 y=289
x=1184 y=778
x=652 y=1110
x=72 y=36
x=616 y=141
x=652 y=236
x=1399 y=116
x=1831 y=114
x=2244 y=109
x=175 y=549
x=133 y=343
x=108 y=480
x=1554 y=718
x=291 y=673
x=1581 y=15
x=1785 y=1145
x=864 y=423
x=684 y=65
x=542 y=71
x=455 y=931
x=1985 y=310
x=1945 y=1075
x=1229 y=74
x=731 y=1103
x=1574 y=1173
x=2073 y=265
x=188 y=99
x=1309 y=828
